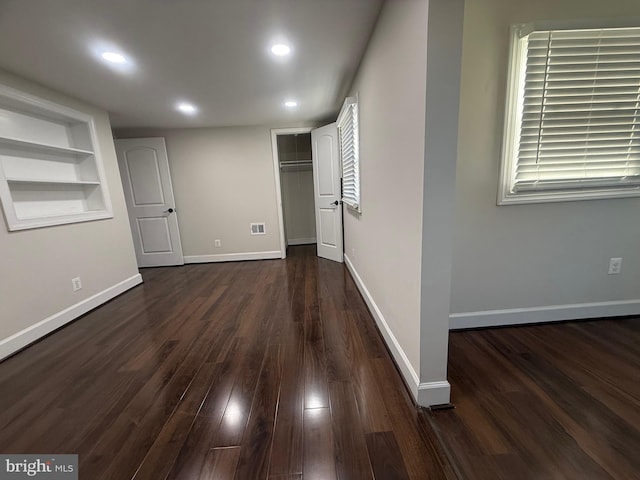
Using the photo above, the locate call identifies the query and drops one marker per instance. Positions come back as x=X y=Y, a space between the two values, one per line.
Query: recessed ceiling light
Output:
x=187 y=108
x=290 y=104
x=114 y=57
x=280 y=49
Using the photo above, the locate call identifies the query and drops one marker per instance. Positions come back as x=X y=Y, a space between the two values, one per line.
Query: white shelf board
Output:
x=61 y=219
x=39 y=147
x=46 y=181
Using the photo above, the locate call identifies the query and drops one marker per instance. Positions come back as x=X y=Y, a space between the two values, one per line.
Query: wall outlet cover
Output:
x=615 y=266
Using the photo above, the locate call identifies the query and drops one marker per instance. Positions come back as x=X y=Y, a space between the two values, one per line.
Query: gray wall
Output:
x=523 y=256
x=384 y=242
x=37 y=265
x=298 y=205
x=223 y=180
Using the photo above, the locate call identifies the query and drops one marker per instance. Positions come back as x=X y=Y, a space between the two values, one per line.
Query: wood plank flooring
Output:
x=558 y=401
x=274 y=370
x=252 y=370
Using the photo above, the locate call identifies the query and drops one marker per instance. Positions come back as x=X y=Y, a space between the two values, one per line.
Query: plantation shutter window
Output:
x=574 y=121
x=350 y=153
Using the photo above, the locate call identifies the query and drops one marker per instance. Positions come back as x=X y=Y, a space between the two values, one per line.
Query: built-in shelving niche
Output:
x=50 y=168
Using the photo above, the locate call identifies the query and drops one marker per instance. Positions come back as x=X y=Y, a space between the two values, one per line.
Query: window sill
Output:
x=505 y=198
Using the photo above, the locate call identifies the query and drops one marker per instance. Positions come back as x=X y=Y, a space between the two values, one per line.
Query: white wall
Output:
x=444 y=58
x=223 y=180
x=37 y=265
x=529 y=256
x=383 y=244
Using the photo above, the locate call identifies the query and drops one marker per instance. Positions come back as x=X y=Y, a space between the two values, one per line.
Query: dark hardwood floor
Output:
x=558 y=401
x=275 y=370
x=252 y=370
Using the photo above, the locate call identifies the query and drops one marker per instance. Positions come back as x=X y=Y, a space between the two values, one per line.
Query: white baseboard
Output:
x=434 y=393
x=30 y=334
x=301 y=241
x=407 y=370
x=232 y=257
x=551 y=313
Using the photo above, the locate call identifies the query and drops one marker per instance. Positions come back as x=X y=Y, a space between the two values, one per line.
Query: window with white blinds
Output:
x=350 y=153
x=573 y=126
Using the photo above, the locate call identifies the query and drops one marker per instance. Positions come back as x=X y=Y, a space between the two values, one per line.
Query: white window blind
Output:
x=350 y=152
x=578 y=114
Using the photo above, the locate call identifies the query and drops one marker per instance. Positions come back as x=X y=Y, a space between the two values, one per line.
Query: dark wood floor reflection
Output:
x=549 y=401
x=275 y=370
x=252 y=370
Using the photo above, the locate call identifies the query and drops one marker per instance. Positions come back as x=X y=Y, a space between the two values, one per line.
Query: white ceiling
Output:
x=213 y=53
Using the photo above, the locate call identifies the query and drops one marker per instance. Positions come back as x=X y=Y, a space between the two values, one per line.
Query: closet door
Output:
x=326 y=179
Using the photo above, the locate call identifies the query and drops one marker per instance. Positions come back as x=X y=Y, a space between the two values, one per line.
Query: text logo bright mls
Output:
x=51 y=467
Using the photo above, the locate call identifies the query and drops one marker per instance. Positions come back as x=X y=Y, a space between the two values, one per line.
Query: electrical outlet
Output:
x=76 y=283
x=615 y=266
x=218 y=243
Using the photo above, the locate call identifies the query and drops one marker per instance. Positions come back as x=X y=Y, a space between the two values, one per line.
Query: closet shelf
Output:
x=21 y=145
x=296 y=164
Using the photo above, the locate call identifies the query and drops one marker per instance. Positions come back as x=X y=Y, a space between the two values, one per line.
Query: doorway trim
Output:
x=276 y=172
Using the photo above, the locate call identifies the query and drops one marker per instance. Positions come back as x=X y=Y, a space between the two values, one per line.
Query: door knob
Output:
x=170 y=210
x=336 y=203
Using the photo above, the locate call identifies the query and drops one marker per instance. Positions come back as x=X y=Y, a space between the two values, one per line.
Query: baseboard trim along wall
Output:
x=434 y=393
x=29 y=335
x=232 y=257
x=551 y=313
x=410 y=376
x=301 y=241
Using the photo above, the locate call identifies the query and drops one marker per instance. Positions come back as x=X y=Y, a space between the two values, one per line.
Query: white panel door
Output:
x=326 y=183
x=144 y=168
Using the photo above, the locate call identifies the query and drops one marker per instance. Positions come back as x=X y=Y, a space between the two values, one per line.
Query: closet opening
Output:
x=292 y=149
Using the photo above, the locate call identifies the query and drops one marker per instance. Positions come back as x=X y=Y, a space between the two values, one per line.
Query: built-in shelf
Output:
x=37 y=220
x=54 y=182
x=50 y=169
x=13 y=144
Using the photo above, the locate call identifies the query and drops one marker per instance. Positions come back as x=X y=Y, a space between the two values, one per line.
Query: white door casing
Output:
x=326 y=183
x=144 y=168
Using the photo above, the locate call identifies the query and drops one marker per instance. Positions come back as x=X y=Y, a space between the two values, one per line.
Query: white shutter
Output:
x=580 y=111
x=350 y=152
